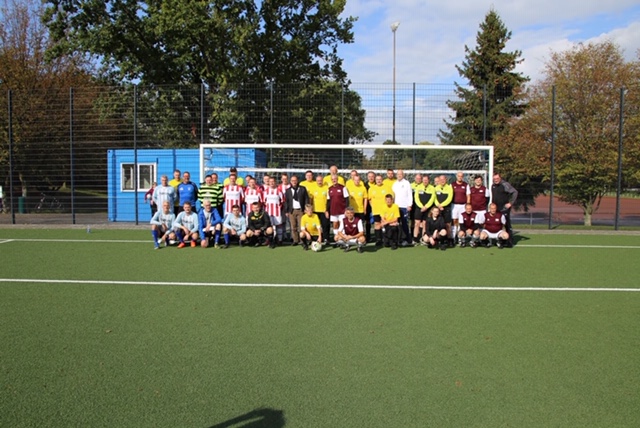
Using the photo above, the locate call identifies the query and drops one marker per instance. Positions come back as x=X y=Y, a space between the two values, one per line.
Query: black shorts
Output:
x=446 y=214
x=418 y=215
x=377 y=218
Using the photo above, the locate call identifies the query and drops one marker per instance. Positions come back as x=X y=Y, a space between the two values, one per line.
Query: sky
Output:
x=432 y=35
x=431 y=40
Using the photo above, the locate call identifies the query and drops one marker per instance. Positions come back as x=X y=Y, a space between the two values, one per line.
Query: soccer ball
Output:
x=316 y=246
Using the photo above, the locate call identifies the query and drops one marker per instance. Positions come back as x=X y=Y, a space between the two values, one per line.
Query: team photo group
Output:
x=323 y=210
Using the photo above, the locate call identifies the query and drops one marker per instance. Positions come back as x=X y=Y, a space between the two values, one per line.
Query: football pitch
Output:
x=100 y=330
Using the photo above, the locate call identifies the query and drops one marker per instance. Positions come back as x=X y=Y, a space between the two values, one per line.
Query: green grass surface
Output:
x=142 y=355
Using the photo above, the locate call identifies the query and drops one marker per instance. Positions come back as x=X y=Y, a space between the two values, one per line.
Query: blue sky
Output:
x=432 y=34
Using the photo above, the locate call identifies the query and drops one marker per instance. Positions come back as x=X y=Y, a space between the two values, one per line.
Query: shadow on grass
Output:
x=259 y=418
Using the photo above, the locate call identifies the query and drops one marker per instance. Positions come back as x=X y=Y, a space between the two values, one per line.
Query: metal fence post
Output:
x=11 y=204
x=135 y=151
x=553 y=153
x=620 y=137
x=72 y=184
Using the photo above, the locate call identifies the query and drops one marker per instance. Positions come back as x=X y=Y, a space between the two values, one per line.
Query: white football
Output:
x=316 y=246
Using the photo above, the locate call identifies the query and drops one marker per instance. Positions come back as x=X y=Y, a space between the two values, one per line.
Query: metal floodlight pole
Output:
x=394 y=27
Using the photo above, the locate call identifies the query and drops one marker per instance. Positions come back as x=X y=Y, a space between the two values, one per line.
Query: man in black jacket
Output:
x=259 y=228
x=296 y=197
x=504 y=195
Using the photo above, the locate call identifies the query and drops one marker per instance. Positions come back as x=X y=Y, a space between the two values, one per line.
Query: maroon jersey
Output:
x=493 y=223
x=479 y=197
x=352 y=227
x=337 y=199
x=460 y=192
x=468 y=221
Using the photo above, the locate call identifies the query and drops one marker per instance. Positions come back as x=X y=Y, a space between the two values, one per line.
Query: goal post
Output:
x=258 y=160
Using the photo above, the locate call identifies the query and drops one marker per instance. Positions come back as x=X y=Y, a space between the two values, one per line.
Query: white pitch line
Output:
x=576 y=246
x=365 y=286
x=137 y=241
x=88 y=241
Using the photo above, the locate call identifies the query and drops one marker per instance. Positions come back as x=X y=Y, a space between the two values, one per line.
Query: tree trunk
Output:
x=587 y=219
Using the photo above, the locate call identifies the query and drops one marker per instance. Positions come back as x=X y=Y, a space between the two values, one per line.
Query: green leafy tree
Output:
x=239 y=49
x=489 y=71
x=588 y=79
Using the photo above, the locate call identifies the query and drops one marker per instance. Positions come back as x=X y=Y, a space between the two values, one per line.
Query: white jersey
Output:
x=403 y=193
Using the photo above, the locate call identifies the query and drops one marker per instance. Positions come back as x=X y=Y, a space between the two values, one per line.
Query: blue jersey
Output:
x=187 y=192
x=212 y=217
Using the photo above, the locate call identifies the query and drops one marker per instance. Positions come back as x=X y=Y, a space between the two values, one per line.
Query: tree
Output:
x=588 y=79
x=239 y=49
x=38 y=88
x=489 y=72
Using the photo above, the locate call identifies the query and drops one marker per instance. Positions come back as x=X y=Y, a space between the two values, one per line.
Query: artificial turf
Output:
x=142 y=355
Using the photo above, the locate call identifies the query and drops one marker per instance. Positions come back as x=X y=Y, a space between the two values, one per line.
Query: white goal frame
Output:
x=204 y=169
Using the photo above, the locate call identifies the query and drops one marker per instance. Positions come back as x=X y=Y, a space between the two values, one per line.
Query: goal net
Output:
x=258 y=160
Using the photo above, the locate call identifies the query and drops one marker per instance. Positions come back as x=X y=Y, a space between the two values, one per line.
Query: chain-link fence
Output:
x=59 y=146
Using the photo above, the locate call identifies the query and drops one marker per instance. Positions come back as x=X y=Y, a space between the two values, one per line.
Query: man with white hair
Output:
x=404 y=200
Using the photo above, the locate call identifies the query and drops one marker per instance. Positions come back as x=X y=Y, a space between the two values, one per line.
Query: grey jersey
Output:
x=164 y=193
x=190 y=221
x=162 y=219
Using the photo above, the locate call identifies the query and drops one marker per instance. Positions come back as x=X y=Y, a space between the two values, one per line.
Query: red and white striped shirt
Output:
x=251 y=196
x=273 y=199
x=233 y=195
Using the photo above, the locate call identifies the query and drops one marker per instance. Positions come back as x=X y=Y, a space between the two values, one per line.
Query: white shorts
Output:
x=349 y=241
x=456 y=211
x=336 y=217
x=275 y=220
x=492 y=235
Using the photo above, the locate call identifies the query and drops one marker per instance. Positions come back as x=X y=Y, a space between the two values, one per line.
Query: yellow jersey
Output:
x=376 y=195
x=390 y=213
x=357 y=196
x=311 y=223
x=319 y=198
x=327 y=180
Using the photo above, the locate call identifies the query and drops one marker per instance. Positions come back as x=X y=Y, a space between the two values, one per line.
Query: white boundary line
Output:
x=351 y=286
x=137 y=241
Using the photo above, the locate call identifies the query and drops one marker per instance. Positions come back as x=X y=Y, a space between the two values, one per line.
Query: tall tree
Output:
x=489 y=71
x=212 y=42
x=588 y=79
x=238 y=49
x=40 y=94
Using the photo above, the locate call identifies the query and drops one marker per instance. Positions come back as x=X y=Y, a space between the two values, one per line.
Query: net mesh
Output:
x=260 y=160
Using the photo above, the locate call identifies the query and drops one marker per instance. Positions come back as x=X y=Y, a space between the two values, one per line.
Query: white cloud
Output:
x=432 y=35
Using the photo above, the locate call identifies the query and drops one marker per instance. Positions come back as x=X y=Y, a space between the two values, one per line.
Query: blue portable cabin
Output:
x=152 y=164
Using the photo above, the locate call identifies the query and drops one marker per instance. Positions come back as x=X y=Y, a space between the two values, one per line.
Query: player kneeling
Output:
x=186 y=226
x=351 y=231
x=259 y=230
x=161 y=224
x=209 y=224
x=435 y=230
x=469 y=224
x=310 y=228
x=494 y=228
